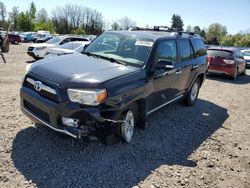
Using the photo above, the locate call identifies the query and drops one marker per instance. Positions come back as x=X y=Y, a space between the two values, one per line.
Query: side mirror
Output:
x=85 y=46
x=165 y=64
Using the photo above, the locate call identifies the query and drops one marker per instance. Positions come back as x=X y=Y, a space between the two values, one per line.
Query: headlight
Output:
x=88 y=97
x=28 y=67
x=41 y=48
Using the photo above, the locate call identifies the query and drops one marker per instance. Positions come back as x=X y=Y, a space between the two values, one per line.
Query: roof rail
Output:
x=156 y=28
x=161 y=28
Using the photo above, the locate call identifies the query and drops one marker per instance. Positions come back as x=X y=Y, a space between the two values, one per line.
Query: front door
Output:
x=164 y=83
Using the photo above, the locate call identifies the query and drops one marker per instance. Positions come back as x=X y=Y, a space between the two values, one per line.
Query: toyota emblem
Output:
x=38 y=85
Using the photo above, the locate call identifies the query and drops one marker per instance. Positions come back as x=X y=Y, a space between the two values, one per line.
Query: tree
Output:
x=189 y=28
x=3 y=11
x=197 y=30
x=203 y=34
x=13 y=15
x=126 y=23
x=215 y=32
x=42 y=15
x=177 y=22
x=115 y=26
x=70 y=18
x=32 y=11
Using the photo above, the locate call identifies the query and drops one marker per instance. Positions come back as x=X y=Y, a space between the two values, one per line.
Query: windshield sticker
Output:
x=144 y=43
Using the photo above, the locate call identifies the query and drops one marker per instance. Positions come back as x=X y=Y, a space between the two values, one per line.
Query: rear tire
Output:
x=235 y=75
x=193 y=93
x=16 y=42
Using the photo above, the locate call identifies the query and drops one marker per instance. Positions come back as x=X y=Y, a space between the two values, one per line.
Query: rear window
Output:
x=199 y=47
x=220 y=53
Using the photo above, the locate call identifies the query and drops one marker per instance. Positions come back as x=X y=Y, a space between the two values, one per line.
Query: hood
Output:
x=59 y=50
x=42 y=45
x=79 y=71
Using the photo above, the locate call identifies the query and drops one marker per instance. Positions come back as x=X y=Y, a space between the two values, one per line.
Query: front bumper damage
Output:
x=46 y=112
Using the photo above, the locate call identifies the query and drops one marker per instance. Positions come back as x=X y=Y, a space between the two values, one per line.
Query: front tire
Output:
x=127 y=128
x=193 y=93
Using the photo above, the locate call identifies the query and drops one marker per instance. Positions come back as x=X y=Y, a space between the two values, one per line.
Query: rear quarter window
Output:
x=199 y=47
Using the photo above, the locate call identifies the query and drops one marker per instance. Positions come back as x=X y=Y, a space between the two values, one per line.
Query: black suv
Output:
x=119 y=79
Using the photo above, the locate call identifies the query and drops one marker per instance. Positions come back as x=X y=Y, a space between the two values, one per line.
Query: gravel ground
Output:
x=206 y=145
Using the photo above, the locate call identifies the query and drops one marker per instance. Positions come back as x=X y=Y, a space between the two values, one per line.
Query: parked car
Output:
x=27 y=36
x=227 y=61
x=246 y=56
x=119 y=79
x=37 y=51
x=43 y=39
x=14 y=39
x=65 y=49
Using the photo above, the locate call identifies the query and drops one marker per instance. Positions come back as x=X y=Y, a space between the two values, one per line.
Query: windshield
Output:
x=245 y=53
x=128 y=48
x=220 y=53
x=54 y=40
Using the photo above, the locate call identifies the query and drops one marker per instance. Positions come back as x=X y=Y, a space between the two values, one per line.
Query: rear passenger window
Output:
x=186 y=52
x=166 y=50
x=79 y=39
x=199 y=47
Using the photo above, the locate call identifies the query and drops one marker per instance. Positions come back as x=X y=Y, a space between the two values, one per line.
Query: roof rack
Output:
x=161 y=28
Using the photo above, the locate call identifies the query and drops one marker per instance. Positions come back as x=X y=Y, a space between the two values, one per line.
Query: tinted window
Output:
x=220 y=53
x=78 y=39
x=166 y=51
x=185 y=49
x=199 y=47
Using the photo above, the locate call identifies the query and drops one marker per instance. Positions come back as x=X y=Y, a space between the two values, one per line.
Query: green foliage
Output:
x=197 y=30
x=215 y=33
x=177 y=22
x=25 y=23
x=79 y=31
x=47 y=26
x=237 y=40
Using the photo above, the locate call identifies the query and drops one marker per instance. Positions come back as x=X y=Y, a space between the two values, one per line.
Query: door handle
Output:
x=178 y=72
x=195 y=66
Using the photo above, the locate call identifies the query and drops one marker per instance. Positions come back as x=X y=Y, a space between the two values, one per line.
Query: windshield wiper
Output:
x=90 y=54
x=113 y=60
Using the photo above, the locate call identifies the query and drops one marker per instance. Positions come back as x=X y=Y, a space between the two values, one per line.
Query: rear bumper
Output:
x=230 y=71
x=49 y=113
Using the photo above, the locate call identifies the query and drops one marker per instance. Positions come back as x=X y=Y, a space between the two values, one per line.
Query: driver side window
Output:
x=166 y=50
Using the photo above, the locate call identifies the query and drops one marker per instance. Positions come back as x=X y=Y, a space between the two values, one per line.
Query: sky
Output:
x=235 y=15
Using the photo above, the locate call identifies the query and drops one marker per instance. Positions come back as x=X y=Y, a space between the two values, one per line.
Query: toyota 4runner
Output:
x=119 y=79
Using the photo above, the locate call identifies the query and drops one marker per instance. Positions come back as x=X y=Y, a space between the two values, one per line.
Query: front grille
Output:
x=30 y=48
x=45 y=93
x=39 y=113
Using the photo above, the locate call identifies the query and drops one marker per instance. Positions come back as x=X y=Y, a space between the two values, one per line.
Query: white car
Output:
x=37 y=51
x=246 y=55
x=64 y=49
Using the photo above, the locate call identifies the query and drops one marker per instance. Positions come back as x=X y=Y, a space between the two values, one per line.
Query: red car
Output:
x=227 y=61
x=14 y=39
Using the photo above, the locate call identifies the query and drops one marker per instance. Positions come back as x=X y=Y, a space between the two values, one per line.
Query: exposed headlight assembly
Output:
x=87 y=97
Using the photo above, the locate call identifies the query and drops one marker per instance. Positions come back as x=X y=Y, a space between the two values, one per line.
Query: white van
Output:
x=42 y=32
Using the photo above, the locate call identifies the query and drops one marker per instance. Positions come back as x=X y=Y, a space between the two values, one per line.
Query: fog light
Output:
x=70 y=122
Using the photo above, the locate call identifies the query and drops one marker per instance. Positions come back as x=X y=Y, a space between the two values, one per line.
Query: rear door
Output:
x=186 y=65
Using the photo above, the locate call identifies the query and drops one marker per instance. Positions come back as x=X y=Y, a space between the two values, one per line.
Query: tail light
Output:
x=230 y=62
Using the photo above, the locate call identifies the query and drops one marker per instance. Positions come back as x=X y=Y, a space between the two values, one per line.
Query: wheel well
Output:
x=141 y=107
x=201 y=78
